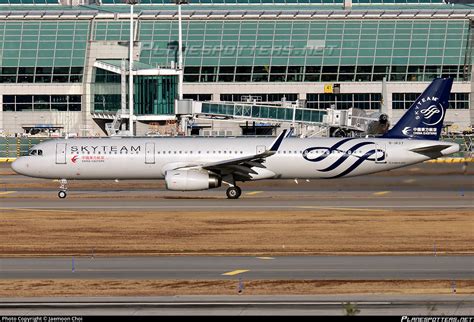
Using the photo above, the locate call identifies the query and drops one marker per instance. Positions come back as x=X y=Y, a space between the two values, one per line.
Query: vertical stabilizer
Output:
x=424 y=119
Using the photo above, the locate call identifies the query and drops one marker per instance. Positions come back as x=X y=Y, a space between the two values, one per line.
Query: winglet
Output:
x=277 y=142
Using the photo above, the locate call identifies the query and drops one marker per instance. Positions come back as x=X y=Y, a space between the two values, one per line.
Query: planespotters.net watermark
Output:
x=437 y=319
x=312 y=48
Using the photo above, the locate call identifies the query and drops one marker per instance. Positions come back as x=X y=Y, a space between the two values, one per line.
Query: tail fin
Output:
x=424 y=119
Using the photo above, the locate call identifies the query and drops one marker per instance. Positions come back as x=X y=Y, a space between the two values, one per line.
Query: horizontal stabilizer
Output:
x=432 y=152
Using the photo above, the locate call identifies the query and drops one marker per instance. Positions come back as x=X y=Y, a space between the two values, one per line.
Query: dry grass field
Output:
x=35 y=288
x=305 y=232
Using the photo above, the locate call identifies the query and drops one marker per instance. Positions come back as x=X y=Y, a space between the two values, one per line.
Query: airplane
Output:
x=191 y=164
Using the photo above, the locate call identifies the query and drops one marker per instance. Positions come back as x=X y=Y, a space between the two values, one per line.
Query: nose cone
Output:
x=19 y=166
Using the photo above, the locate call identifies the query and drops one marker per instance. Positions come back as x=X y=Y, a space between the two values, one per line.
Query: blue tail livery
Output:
x=424 y=119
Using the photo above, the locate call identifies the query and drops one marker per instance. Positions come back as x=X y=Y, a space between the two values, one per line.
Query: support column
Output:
x=471 y=97
x=2 y=126
x=385 y=101
x=130 y=73
x=123 y=87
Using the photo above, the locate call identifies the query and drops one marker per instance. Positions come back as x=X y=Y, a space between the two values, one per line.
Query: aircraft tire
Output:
x=62 y=194
x=233 y=192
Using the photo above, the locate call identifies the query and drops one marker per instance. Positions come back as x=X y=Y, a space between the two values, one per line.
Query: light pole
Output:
x=130 y=69
x=180 y=49
x=184 y=119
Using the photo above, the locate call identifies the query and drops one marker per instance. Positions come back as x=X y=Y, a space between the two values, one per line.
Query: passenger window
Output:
x=40 y=152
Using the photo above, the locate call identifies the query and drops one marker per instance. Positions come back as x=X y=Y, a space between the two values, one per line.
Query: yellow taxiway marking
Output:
x=33 y=209
x=6 y=192
x=265 y=258
x=236 y=272
x=253 y=193
x=381 y=193
x=342 y=208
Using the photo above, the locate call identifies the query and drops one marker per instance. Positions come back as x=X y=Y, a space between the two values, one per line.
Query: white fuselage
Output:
x=150 y=158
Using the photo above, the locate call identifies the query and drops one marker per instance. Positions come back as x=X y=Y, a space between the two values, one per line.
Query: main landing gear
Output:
x=233 y=192
x=62 y=189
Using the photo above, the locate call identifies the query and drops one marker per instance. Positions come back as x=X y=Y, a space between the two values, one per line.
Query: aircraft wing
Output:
x=241 y=168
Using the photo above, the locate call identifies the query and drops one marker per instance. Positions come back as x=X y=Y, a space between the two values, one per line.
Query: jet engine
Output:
x=189 y=180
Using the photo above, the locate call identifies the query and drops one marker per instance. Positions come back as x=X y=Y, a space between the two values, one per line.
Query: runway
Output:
x=250 y=268
x=242 y=305
x=292 y=200
x=425 y=186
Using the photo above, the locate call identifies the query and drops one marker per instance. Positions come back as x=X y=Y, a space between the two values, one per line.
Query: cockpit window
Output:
x=36 y=152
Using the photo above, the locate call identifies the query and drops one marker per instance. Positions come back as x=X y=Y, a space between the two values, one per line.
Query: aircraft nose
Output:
x=19 y=166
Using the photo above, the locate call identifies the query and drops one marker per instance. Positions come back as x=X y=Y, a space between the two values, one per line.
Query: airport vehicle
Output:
x=188 y=164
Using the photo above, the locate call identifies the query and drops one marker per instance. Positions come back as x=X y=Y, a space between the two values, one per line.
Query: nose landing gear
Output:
x=62 y=189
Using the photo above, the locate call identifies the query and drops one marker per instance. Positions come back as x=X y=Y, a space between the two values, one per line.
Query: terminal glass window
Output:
x=40 y=51
x=258 y=97
x=40 y=103
x=311 y=50
x=365 y=101
x=402 y=101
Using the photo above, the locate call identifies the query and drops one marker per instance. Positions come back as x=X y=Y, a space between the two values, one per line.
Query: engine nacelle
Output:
x=189 y=180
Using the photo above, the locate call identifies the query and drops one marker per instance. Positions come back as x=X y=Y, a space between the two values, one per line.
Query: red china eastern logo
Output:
x=74 y=159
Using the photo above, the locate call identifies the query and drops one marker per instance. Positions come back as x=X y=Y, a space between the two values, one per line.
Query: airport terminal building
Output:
x=63 y=65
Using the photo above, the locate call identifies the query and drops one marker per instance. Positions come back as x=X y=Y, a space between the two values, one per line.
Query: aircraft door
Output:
x=150 y=153
x=261 y=149
x=60 y=153
x=380 y=153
